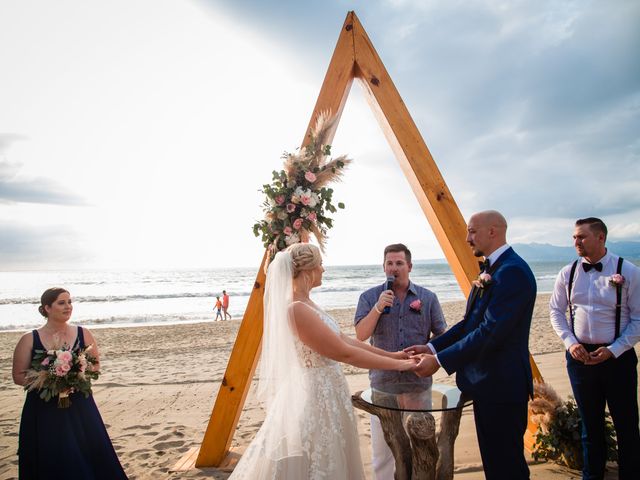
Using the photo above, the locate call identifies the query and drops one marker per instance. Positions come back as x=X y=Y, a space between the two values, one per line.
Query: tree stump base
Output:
x=419 y=452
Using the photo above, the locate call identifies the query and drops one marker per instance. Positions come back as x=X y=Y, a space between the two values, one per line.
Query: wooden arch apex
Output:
x=353 y=58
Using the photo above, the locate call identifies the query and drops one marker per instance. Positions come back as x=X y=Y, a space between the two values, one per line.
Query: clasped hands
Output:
x=579 y=353
x=426 y=363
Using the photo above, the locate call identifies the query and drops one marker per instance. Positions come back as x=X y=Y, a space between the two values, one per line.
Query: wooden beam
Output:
x=236 y=380
x=416 y=161
x=337 y=81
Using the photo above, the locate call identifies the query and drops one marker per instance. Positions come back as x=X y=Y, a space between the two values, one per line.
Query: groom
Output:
x=489 y=351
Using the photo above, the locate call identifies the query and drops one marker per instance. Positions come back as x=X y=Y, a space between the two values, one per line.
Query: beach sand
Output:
x=158 y=387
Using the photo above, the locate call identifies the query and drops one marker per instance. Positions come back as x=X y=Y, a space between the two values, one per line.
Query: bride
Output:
x=309 y=431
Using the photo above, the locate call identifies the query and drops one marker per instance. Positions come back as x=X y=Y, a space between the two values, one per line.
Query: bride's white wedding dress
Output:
x=326 y=423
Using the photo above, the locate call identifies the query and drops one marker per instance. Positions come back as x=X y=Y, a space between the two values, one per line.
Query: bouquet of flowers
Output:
x=297 y=200
x=60 y=372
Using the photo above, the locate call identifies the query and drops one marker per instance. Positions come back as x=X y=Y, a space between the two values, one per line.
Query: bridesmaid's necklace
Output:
x=58 y=336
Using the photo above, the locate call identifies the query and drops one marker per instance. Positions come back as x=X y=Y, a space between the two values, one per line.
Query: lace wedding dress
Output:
x=325 y=423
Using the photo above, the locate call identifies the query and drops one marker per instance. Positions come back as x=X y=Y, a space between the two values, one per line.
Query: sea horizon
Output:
x=135 y=297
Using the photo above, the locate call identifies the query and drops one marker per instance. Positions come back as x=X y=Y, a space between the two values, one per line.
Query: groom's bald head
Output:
x=486 y=232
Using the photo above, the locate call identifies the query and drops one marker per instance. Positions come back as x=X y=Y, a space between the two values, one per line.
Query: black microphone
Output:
x=389 y=286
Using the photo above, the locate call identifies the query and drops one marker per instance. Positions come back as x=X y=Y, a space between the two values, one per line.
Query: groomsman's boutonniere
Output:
x=416 y=306
x=482 y=282
x=616 y=280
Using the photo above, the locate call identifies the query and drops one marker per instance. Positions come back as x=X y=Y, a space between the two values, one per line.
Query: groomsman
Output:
x=414 y=315
x=489 y=349
x=602 y=293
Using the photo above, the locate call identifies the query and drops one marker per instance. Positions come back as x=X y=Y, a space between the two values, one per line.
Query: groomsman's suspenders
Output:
x=618 y=297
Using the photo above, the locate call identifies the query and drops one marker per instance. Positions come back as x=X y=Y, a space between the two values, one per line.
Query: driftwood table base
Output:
x=419 y=452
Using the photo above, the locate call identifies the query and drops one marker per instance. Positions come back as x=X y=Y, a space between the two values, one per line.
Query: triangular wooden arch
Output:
x=353 y=57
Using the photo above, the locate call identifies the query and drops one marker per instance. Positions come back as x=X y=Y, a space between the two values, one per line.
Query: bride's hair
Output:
x=304 y=256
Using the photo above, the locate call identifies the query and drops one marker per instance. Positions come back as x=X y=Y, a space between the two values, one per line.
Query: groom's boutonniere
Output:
x=482 y=282
x=416 y=306
x=616 y=280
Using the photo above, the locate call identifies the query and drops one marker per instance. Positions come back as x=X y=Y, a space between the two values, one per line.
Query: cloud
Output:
x=27 y=246
x=30 y=190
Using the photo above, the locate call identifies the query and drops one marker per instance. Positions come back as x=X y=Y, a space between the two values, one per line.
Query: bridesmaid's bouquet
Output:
x=60 y=372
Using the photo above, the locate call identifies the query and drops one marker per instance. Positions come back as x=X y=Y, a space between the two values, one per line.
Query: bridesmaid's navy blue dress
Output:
x=63 y=443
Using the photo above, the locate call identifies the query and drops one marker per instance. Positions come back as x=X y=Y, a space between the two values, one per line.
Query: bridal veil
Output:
x=282 y=385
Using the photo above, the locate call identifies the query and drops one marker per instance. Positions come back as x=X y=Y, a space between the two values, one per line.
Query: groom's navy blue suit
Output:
x=489 y=351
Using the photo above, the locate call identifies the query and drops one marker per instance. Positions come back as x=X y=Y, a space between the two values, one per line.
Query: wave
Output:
x=119 y=298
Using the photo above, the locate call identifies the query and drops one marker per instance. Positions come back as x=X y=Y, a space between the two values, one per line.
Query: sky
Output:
x=137 y=133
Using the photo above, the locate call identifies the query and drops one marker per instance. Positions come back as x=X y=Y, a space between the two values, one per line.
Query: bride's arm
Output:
x=314 y=333
x=357 y=343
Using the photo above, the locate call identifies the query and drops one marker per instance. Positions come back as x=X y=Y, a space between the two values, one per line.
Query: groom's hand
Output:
x=427 y=366
x=416 y=349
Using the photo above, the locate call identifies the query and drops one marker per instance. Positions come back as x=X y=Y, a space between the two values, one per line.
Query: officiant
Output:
x=392 y=319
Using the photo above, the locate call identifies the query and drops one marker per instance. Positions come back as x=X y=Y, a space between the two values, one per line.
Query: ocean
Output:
x=109 y=298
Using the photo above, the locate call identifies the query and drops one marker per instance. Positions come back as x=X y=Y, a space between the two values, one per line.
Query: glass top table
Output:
x=410 y=397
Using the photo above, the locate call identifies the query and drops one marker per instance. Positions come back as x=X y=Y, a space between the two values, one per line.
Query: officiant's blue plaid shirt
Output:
x=401 y=328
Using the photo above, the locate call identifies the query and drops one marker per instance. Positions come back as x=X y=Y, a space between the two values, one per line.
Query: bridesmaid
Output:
x=59 y=443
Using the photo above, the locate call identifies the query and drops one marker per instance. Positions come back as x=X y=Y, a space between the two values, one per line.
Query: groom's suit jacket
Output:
x=489 y=348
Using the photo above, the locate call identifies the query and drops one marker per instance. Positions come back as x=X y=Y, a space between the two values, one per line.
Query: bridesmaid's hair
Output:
x=48 y=297
x=304 y=256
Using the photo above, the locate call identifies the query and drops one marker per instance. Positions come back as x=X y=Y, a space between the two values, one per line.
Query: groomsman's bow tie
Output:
x=589 y=266
x=484 y=266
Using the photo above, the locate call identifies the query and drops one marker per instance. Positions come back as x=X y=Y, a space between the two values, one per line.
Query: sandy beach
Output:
x=158 y=386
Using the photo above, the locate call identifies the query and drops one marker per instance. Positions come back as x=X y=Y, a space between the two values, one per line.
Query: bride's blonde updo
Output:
x=304 y=256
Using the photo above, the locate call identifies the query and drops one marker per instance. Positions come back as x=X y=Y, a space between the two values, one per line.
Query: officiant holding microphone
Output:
x=393 y=316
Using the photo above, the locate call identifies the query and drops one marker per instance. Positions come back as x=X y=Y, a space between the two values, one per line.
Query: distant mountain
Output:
x=544 y=252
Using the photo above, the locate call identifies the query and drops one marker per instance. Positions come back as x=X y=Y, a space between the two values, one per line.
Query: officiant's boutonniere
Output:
x=616 y=280
x=482 y=282
x=416 y=306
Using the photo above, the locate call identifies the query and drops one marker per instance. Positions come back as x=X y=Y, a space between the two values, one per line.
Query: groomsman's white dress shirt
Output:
x=594 y=304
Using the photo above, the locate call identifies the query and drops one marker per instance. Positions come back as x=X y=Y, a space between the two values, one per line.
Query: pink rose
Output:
x=291 y=208
x=297 y=223
x=45 y=362
x=416 y=305
x=64 y=356
x=483 y=281
x=288 y=231
x=310 y=176
x=279 y=199
x=616 y=280
x=305 y=199
x=312 y=216
x=60 y=372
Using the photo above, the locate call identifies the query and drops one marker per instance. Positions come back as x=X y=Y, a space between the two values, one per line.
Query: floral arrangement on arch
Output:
x=61 y=371
x=298 y=199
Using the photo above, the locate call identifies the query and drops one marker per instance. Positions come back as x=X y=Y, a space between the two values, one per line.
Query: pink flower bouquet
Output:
x=60 y=372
